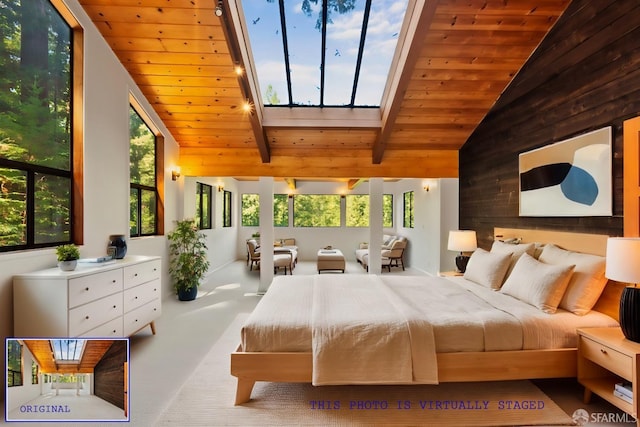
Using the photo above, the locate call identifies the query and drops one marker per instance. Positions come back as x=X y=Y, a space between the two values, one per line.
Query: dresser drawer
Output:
x=89 y=316
x=141 y=316
x=140 y=273
x=89 y=288
x=108 y=330
x=140 y=295
x=606 y=357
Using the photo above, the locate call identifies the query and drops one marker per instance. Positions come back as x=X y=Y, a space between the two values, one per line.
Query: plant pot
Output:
x=188 y=294
x=67 y=265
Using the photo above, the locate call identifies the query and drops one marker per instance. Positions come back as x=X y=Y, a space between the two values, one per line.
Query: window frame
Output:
x=408 y=219
x=75 y=174
x=159 y=176
x=201 y=205
x=226 y=209
x=13 y=372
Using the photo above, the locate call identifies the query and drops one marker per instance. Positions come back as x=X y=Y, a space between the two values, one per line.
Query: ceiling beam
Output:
x=353 y=183
x=407 y=55
x=231 y=37
x=291 y=183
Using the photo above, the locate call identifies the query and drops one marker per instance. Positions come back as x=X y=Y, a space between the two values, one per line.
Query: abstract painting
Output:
x=568 y=178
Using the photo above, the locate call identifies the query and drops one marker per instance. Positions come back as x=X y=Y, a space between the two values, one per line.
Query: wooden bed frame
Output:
x=250 y=367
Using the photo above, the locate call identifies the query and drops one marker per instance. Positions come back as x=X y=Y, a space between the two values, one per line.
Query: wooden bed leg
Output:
x=153 y=327
x=243 y=391
x=587 y=396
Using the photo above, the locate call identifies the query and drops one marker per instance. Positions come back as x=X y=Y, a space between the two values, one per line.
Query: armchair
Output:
x=253 y=253
x=394 y=255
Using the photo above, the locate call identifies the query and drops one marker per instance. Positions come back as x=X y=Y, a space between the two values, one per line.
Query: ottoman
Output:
x=330 y=259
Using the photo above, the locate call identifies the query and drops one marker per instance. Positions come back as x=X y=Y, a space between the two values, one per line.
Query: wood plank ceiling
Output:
x=93 y=353
x=458 y=57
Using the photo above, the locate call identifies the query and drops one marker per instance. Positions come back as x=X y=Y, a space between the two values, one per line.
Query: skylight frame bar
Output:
x=323 y=52
x=363 y=37
x=285 y=48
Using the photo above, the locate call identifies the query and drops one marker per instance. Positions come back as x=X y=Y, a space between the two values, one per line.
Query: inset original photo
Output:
x=67 y=379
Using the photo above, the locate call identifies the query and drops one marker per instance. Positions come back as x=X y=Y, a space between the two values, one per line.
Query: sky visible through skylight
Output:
x=67 y=350
x=304 y=42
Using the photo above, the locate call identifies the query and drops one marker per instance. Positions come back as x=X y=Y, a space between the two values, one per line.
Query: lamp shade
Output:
x=623 y=259
x=462 y=241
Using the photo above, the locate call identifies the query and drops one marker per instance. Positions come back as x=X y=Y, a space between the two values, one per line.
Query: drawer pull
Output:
x=114 y=331
x=114 y=306
x=86 y=317
x=113 y=281
x=135 y=275
x=135 y=297
x=603 y=351
x=86 y=289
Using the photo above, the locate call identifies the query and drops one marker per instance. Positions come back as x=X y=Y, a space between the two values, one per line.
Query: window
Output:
x=34 y=372
x=251 y=210
x=226 y=212
x=312 y=210
x=357 y=210
x=142 y=174
x=37 y=112
x=306 y=55
x=408 y=210
x=203 y=206
x=14 y=363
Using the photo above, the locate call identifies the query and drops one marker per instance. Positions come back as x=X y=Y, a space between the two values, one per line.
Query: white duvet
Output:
x=387 y=329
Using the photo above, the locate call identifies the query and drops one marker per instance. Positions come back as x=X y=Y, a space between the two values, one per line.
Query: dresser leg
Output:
x=587 y=396
x=153 y=327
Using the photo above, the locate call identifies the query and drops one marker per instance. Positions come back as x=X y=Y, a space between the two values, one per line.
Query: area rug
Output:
x=207 y=397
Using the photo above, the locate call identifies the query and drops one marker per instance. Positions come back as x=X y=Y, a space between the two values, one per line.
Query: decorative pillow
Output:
x=516 y=250
x=487 y=269
x=536 y=283
x=588 y=279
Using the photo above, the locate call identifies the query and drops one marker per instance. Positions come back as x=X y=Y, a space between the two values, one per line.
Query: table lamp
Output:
x=462 y=241
x=623 y=265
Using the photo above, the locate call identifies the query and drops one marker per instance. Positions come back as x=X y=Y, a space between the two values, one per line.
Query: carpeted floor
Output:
x=206 y=398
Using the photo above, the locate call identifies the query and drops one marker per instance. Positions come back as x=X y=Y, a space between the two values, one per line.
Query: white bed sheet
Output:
x=282 y=319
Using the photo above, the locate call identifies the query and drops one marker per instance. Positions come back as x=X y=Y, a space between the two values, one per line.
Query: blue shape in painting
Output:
x=580 y=186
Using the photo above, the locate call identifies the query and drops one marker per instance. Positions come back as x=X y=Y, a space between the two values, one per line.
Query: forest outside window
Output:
x=357 y=210
x=143 y=218
x=36 y=127
x=316 y=210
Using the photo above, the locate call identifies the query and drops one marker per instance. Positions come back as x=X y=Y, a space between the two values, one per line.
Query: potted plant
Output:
x=68 y=256
x=188 y=261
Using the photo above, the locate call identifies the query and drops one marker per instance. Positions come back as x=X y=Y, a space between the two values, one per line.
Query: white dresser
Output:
x=112 y=300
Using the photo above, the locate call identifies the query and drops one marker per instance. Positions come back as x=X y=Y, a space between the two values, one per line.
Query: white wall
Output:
x=106 y=170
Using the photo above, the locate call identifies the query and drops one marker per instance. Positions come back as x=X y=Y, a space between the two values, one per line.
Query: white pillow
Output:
x=487 y=269
x=516 y=250
x=536 y=283
x=588 y=279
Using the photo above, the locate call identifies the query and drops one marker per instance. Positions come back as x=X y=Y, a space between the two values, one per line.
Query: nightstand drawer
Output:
x=607 y=357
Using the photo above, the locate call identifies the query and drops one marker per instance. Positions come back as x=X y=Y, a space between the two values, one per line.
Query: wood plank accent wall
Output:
x=109 y=374
x=584 y=75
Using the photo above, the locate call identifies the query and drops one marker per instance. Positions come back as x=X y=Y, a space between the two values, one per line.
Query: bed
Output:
x=512 y=337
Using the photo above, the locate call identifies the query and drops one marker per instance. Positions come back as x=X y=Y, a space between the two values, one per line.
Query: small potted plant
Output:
x=68 y=256
x=188 y=261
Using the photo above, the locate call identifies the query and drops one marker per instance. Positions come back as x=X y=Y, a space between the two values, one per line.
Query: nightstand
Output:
x=450 y=273
x=606 y=357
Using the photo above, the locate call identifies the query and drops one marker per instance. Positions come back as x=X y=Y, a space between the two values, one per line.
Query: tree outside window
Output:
x=142 y=169
x=316 y=210
x=35 y=126
x=226 y=211
x=14 y=363
x=203 y=206
x=408 y=210
x=357 y=210
x=251 y=210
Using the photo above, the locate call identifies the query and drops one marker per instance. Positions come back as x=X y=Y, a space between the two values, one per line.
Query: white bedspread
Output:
x=387 y=329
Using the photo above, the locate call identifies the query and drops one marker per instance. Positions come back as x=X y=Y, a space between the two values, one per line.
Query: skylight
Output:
x=68 y=351
x=287 y=39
